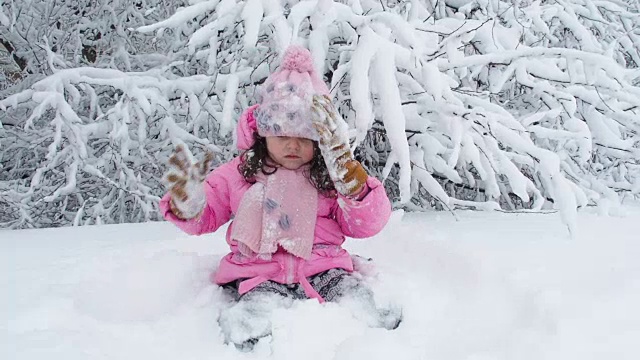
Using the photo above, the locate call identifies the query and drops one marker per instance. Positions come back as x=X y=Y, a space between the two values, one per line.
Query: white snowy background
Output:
x=527 y=109
x=487 y=286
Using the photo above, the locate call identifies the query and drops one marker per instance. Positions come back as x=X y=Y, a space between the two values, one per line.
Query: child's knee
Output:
x=334 y=284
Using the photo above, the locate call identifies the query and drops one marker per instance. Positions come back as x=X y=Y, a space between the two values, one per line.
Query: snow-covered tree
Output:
x=457 y=104
x=81 y=33
x=65 y=156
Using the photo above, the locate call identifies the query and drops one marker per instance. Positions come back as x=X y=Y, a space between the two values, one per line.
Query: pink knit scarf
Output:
x=279 y=209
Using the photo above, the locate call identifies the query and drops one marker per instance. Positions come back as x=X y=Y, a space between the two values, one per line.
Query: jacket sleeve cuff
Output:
x=364 y=191
x=366 y=216
x=362 y=195
x=190 y=226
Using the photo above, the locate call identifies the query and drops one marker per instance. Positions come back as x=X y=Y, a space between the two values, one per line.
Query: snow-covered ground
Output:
x=489 y=286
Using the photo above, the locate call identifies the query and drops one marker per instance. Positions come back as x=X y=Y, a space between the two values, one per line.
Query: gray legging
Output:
x=249 y=318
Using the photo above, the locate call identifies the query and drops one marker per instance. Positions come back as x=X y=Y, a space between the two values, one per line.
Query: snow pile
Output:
x=486 y=286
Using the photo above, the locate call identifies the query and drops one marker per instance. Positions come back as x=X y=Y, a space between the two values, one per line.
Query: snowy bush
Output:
x=70 y=153
x=457 y=104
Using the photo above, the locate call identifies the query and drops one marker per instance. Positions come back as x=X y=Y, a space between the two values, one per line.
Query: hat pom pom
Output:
x=298 y=59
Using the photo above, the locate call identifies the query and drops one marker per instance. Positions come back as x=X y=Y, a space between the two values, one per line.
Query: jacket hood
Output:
x=246 y=129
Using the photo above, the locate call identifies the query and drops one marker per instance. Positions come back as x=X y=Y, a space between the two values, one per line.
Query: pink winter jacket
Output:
x=337 y=217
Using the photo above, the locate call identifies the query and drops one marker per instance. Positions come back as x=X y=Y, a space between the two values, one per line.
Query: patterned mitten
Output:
x=347 y=174
x=184 y=179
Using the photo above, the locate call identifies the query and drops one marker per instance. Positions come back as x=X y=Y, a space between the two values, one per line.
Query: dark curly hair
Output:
x=254 y=160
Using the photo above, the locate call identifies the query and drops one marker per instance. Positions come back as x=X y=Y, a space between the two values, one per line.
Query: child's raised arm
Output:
x=363 y=206
x=367 y=216
x=194 y=205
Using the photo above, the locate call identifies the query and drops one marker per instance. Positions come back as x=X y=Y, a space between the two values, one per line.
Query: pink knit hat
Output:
x=286 y=97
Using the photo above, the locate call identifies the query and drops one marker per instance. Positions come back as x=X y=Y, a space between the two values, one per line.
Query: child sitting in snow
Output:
x=295 y=193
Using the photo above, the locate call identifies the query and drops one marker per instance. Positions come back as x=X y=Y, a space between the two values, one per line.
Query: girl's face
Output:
x=290 y=152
